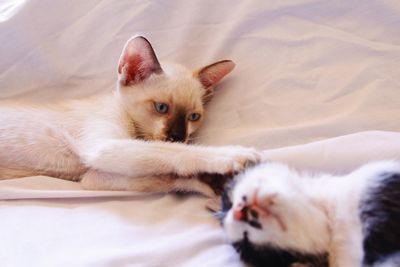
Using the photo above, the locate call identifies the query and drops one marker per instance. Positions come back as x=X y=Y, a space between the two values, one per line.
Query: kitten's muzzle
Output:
x=177 y=128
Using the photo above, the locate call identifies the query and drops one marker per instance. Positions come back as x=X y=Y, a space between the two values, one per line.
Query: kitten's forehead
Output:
x=176 y=86
x=174 y=69
x=182 y=87
x=268 y=175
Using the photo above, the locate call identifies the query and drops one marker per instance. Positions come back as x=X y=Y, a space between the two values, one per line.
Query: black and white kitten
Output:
x=275 y=216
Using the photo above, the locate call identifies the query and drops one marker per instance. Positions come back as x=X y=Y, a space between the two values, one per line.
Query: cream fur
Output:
x=96 y=139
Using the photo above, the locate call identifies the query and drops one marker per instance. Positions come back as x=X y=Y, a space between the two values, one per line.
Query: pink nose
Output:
x=239 y=213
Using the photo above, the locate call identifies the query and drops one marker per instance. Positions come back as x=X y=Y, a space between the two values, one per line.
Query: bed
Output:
x=316 y=86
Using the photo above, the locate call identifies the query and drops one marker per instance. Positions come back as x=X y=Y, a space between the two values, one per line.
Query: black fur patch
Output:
x=261 y=256
x=380 y=216
x=255 y=224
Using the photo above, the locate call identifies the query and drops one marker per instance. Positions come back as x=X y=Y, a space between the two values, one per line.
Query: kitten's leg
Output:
x=136 y=158
x=95 y=180
x=346 y=250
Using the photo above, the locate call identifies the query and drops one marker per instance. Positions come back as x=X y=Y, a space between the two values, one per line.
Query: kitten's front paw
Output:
x=232 y=159
x=226 y=160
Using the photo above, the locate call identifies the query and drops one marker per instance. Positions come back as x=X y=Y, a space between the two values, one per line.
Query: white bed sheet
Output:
x=316 y=85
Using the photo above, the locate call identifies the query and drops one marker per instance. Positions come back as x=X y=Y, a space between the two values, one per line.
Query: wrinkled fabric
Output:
x=316 y=85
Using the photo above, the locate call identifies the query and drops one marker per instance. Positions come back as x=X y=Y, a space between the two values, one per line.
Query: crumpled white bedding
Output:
x=316 y=86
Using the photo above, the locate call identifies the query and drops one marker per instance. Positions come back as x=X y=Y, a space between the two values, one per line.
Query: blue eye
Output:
x=194 y=117
x=161 y=107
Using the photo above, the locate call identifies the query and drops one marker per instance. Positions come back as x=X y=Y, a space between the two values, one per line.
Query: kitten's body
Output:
x=117 y=141
x=354 y=219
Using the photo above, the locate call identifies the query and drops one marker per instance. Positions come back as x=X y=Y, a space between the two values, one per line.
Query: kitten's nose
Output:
x=240 y=213
x=177 y=128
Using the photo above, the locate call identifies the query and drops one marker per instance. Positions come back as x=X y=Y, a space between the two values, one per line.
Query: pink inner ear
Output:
x=212 y=74
x=131 y=65
x=138 y=61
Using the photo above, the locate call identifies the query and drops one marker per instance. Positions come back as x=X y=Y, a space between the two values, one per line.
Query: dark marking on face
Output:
x=248 y=215
x=177 y=127
x=255 y=224
x=254 y=214
x=380 y=217
x=267 y=255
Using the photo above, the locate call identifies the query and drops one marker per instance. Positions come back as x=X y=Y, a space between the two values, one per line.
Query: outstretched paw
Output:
x=232 y=159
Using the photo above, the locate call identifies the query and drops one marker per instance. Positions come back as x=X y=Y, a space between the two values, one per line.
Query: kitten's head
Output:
x=164 y=102
x=271 y=220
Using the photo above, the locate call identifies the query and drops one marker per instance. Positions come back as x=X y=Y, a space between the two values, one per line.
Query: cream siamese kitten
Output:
x=130 y=139
x=277 y=217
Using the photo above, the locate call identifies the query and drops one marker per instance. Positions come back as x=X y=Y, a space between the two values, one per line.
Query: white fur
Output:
x=321 y=212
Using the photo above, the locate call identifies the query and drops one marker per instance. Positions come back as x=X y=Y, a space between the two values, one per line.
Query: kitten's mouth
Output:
x=252 y=211
x=169 y=139
x=159 y=138
x=174 y=140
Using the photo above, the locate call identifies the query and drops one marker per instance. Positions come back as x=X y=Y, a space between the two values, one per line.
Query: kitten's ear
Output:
x=210 y=75
x=138 y=61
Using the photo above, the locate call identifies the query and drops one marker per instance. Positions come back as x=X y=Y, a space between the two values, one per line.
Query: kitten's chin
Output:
x=165 y=139
x=182 y=142
x=149 y=137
